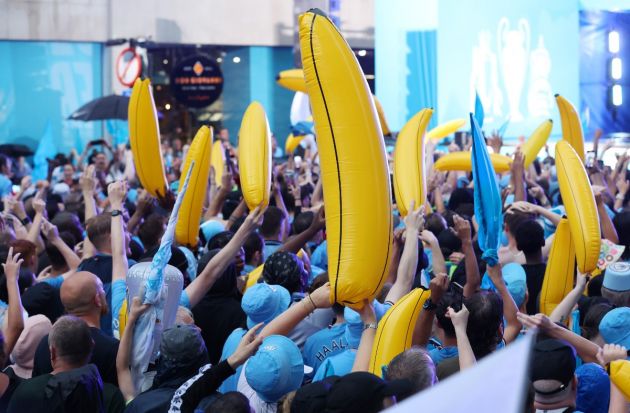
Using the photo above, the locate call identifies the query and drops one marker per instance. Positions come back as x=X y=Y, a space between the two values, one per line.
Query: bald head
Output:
x=82 y=294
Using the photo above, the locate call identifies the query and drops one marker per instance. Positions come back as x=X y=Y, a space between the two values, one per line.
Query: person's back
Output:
x=82 y=295
x=73 y=385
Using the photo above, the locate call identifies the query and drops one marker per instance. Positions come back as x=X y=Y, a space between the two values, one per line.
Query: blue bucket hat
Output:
x=615 y=327
x=263 y=302
x=211 y=228
x=276 y=369
x=617 y=276
x=516 y=281
x=593 y=390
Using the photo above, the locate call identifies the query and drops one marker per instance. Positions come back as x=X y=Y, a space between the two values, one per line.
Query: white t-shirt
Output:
x=255 y=402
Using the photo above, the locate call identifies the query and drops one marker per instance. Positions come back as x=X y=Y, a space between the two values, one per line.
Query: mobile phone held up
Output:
x=589 y=160
x=458 y=291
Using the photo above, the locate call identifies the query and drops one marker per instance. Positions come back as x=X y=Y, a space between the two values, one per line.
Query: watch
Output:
x=116 y=212
x=370 y=325
x=429 y=305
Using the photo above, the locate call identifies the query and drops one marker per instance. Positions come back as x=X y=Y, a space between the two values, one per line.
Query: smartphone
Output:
x=458 y=290
x=298 y=161
x=16 y=189
x=97 y=142
x=589 y=160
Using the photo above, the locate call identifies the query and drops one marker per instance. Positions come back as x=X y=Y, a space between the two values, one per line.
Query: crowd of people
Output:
x=69 y=242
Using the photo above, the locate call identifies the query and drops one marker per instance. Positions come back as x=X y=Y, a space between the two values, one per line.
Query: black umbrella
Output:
x=15 y=150
x=106 y=107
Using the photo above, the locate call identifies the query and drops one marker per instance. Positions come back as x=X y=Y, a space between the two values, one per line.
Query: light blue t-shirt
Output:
x=6 y=186
x=230 y=345
x=440 y=354
x=323 y=344
x=338 y=365
x=54 y=281
x=270 y=247
x=319 y=257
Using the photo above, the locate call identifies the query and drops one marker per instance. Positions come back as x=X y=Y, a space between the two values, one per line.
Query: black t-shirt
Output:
x=103 y=356
x=535 y=274
x=14 y=382
x=218 y=317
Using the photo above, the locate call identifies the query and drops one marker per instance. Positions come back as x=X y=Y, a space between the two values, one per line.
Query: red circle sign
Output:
x=128 y=66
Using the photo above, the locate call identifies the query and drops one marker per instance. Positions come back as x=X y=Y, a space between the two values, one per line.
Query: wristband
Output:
x=370 y=325
x=116 y=213
x=429 y=305
x=312 y=302
x=25 y=221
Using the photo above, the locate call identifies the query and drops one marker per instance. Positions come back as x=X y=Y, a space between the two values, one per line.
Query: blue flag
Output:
x=487 y=197
x=47 y=149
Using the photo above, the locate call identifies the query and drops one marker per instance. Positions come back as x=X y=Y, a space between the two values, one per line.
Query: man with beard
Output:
x=82 y=296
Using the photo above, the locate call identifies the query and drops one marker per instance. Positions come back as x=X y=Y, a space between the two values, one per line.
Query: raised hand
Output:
x=415 y=218
x=462 y=228
x=438 y=286
x=458 y=318
x=12 y=266
x=87 y=181
x=117 y=193
x=246 y=347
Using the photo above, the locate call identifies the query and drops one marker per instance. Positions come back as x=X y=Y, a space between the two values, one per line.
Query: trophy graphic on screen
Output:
x=513 y=51
x=540 y=100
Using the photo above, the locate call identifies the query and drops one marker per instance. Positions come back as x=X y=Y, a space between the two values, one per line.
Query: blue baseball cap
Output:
x=276 y=369
x=516 y=281
x=615 y=327
x=617 y=276
x=263 y=302
x=211 y=228
x=593 y=389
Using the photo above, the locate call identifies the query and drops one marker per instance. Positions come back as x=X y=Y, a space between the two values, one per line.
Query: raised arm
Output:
x=473 y=278
x=15 y=322
x=510 y=310
x=123 y=358
x=439 y=264
x=285 y=322
x=414 y=224
x=200 y=285
x=298 y=241
x=88 y=188
x=116 y=192
x=145 y=202
x=364 y=352
x=563 y=310
x=518 y=175
x=585 y=348
x=216 y=203
x=460 y=322
x=608 y=228
x=52 y=235
x=39 y=205
x=424 y=324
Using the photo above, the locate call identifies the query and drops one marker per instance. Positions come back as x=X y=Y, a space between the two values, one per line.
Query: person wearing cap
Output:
x=364 y=392
x=615 y=327
x=261 y=303
x=593 y=389
x=553 y=376
x=184 y=376
x=616 y=285
x=276 y=369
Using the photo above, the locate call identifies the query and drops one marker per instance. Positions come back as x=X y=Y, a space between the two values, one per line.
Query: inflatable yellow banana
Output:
x=445 y=129
x=620 y=376
x=571 y=125
x=395 y=330
x=381 y=117
x=254 y=156
x=579 y=203
x=217 y=161
x=187 y=227
x=144 y=138
x=536 y=141
x=292 y=79
x=461 y=161
x=292 y=143
x=558 y=279
x=357 y=193
x=409 y=177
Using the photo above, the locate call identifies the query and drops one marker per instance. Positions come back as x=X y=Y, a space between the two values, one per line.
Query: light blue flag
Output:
x=148 y=332
x=487 y=197
x=47 y=149
x=479 y=114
